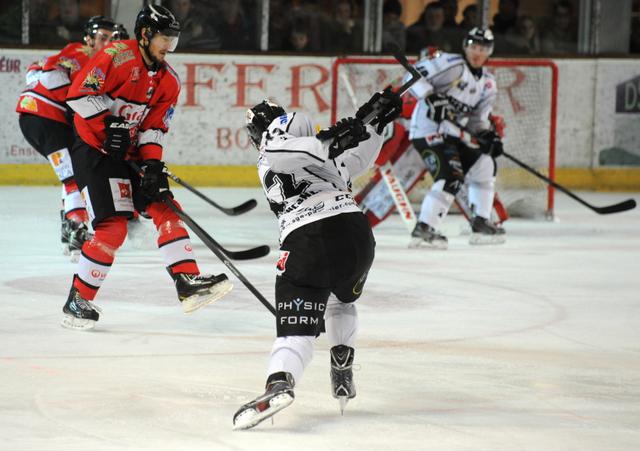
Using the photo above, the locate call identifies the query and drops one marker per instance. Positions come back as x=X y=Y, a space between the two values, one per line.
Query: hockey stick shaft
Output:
x=614 y=208
x=232 y=211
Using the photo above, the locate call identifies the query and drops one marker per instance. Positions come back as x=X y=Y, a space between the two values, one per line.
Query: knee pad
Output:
x=109 y=236
x=483 y=170
x=167 y=222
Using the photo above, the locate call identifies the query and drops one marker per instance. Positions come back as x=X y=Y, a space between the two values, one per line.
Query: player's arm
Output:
x=54 y=75
x=287 y=153
x=480 y=124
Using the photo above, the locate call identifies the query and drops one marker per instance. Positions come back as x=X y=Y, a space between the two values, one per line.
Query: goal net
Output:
x=526 y=100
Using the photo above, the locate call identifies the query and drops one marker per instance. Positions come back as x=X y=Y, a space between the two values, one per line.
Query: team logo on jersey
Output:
x=93 y=81
x=69 y=64
x=357 y=288
x=121 y=194
x=166 y=120
x=281 y=265
x=134 y=76
x=117 y=48
x=86 y=50
x=29 y=103
x=123 y=57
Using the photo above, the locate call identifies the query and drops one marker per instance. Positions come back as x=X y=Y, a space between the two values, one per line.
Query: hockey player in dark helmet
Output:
x=259 y=117
x=478 y=47
x=157 y=31
x=120 y=33
x=98 y=31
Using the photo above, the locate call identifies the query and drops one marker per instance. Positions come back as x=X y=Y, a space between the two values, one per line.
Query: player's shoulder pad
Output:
x=295 y=124
x=172 y=73
x=438 y=62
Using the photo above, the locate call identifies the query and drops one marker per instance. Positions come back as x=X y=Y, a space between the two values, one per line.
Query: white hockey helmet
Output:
x=481 y=36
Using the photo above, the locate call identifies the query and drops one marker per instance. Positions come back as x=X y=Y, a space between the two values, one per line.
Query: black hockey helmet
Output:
x=119 y=33
x=95 y=23
x=481 y=36
x=157 y=19
x=258 y=119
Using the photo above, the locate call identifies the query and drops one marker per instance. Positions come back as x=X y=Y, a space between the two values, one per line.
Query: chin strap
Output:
x=155 y=65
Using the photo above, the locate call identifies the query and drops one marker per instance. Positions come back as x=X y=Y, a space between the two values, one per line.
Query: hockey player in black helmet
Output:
x=157 y=31
x=120 y=33
x=455 y=89
x=98 y=32
x=259 y=117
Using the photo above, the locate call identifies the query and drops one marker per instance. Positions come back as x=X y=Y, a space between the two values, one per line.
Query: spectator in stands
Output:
x=233 y=27
x=279 y=23
x=298 y=39
x=450 y=8
x=561 y=36
x=10 y=23
x=195 y=33
x=634 y=39
x=393 y=30
x=524 y=38
x=429 y=31
x=506 y=17
x=469 y=18
x=63 y=25
x=346 y=33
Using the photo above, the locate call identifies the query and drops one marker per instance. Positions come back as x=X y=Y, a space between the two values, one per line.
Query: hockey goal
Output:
x=527 y=95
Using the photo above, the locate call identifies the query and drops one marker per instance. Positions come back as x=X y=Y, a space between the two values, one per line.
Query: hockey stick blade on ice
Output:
x=615 y=208
x=232 y=211
x=222 y=254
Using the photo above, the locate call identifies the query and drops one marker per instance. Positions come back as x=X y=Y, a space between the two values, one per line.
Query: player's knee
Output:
x=110 y=234
x=165 y=219
x=483 y=170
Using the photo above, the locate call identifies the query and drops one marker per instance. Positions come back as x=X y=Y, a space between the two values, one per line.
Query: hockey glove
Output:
x=154 y=183
x=490 y=143
x=439 y=107
x=382 y=108
x=118 y=139
x=344 y=134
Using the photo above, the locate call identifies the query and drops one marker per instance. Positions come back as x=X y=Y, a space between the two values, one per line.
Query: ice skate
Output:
x=278 y=395
x=78 y=234
x=425 y=235
x=486 y=232
x=342 y=386
x=195 y=291
x=79 y=313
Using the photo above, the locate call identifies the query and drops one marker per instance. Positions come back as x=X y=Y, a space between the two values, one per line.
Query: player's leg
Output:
x=194 y=290
x=107 y=189
x=443 y=161
x=302 y=290
x=53 y=139
x=352 y=253
x=481 y=179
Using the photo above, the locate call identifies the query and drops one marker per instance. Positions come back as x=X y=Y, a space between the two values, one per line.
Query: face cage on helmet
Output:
x=468 y=41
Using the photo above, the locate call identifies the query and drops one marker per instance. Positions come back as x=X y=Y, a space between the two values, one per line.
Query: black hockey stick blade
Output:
x=614 y=208
x=404 y=62
x=220 y=253
x=230 y=211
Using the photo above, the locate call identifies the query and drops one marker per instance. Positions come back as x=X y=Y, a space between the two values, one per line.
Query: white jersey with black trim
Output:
x=471 y=95
x=300 y=181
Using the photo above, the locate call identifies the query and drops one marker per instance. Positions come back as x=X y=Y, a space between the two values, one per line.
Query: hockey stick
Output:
x=614 y=208
x=223 y=254
x=248 y=254
x=233 y=211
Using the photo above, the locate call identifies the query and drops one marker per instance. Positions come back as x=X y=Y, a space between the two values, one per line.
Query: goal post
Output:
x=527 y=100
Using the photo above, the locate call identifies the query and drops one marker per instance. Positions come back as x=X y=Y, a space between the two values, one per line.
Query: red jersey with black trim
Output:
x=117 y=82
x=45 y=94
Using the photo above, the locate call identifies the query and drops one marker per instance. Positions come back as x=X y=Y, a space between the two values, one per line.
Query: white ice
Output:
x=533 y=345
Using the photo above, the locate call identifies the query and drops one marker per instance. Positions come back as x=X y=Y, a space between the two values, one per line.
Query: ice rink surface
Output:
x=532 y=345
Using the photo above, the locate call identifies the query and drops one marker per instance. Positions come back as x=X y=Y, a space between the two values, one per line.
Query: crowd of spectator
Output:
x=320 y=26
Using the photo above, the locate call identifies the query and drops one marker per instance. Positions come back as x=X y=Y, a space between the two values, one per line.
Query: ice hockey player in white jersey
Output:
x=326 y=243
x=457 y=90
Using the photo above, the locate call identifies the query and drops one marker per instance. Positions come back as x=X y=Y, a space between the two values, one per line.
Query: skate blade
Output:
x=71 y=322
x=483 y=239
x=251 y=417
x=342 y=400
x=193 y=303
x=415 y=243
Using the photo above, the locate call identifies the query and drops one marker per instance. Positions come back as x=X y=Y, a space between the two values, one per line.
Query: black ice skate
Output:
x=342 y=386
x=78 y=234
x=486 y=232
x=278 y=395
x=425 y=235
x=195 y=291
x=79 y=313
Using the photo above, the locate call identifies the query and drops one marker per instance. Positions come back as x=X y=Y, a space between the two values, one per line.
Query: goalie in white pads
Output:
x=455 y=97
x=326 y=243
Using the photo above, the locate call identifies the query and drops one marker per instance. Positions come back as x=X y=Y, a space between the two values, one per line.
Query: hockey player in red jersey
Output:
x=45 y=119
x=123 y=102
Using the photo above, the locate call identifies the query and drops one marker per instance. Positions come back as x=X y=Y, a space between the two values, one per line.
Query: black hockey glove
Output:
x=154 y=183
x=383 y=107
x=490 y=143
x=439 y=107
x=344 y=134
x=118 y=140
